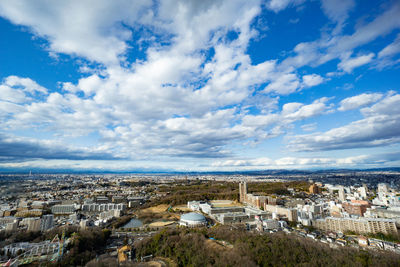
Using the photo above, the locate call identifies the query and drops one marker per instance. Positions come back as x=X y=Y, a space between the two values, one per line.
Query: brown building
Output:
x=314 y=189
x=355 y=208
x=255 y=201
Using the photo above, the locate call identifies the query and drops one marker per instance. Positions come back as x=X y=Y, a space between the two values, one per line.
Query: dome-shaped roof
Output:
x=193 y=216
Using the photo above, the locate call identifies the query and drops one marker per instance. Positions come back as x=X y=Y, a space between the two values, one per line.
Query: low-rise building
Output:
x=63 y=209
x=290 y=213
x=192 y=219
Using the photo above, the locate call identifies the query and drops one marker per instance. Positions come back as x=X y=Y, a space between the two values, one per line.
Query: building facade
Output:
x=364 y=225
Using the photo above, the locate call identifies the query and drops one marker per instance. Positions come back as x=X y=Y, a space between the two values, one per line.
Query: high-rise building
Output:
x=243 y=191
x=342 y=195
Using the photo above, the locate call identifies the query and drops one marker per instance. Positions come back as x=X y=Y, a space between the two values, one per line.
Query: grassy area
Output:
x=156 y=213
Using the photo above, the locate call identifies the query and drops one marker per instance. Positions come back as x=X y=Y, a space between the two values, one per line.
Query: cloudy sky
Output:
x=199 y=85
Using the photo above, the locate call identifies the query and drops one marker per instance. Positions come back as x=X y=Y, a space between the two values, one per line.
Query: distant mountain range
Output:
x=171 y=172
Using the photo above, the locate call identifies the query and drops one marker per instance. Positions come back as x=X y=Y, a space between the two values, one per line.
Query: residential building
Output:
x=363 y=225
x=47 y=222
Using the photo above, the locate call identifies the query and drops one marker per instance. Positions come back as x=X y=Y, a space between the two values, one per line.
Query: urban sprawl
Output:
x=357 y=209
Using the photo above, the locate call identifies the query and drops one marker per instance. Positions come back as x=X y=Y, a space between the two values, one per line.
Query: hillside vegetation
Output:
x=181 y=194
x=191 y=247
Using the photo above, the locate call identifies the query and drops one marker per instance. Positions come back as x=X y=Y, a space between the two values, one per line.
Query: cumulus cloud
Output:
x=22 y=149
x=379 y=127
x=297 y=111
x=89 y=29
x=309 y=127
x=388 y=56
x=284 y=84
x=358 y=101
x=348 y=64
x=18 y=90
x=391 y=49
x=193 y=96
x=337 y=10
x=312 y=80
x=308 y=162
x=162 y=106
x=265 y=126
x=341 y=46
x=279 y=5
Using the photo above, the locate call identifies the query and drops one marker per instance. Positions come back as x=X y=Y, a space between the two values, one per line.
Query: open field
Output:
x=182 y=207
x=156 y=209
x=225 y=203
x=157 y=213
x=161 y=224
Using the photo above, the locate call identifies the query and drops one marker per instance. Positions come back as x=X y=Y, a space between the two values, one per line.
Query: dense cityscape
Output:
x=44 y=216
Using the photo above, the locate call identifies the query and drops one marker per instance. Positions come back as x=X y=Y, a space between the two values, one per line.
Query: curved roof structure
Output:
x=193 y=216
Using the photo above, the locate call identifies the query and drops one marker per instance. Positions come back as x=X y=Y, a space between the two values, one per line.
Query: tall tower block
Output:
x=243 y=191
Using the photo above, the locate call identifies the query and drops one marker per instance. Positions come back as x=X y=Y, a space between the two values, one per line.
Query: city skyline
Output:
x=199 y=85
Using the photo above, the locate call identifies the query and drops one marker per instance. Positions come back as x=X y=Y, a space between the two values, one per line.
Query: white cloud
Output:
x=388 y=56
x=153 y=108
x=284 y=84
x=83 y=28
x=296 y=162
x=265 y=126
x=337 y=10
x=16 y=149
x=300 y=112
x=193 y=96
x=279 y=5
x=333 y=45
x=25 y=84
x=312 y=80
x=19 y=90
x=380 y=127
x=309 y=127
x=348 y=64
x=391 y=49
x=358 y=101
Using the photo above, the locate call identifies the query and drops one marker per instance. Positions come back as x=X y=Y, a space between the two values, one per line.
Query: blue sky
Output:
x=199 y=85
